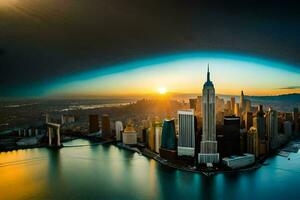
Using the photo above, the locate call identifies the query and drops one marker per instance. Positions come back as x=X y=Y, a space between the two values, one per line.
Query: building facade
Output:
x=168 y=137
x=105 y=122
x=168 y=140
x=93 y=123
x=129 y=135
x=272 y=128
x=157 y=135
x=186 y=133
x=208 y=146
x=242 y=102
x=119 y=130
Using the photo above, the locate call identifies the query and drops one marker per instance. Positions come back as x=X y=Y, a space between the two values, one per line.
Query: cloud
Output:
x=290 y=87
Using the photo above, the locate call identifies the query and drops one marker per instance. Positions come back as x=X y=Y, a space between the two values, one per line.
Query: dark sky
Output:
x=44 y=40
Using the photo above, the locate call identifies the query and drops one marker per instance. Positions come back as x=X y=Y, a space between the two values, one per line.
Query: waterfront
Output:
x=109 y=172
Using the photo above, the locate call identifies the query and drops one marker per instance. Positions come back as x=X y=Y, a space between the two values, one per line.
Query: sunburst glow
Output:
x=162 y=90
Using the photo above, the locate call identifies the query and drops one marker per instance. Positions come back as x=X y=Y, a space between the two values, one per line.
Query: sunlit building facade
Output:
x=237 y=109
x=157 y=133
x=129 y=135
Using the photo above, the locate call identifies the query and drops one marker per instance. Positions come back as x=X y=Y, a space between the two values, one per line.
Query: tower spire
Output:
x=208 y=74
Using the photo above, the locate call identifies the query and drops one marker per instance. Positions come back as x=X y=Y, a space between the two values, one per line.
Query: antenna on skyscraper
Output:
x=208 y=75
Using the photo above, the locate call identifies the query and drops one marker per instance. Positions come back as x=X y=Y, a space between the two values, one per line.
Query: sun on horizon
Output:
x=162 y=90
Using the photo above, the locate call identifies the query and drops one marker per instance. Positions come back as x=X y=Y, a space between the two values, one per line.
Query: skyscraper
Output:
x=242 y=102
x=186 y=137
x=93 y=123
x=247 y=105
x=105 y=122
x=232 y=103
x=119 y=130
x=157 y=131
x=248 y=118
x=237 y=109
x=168 y=135
x=168 y=140
x=272 y=128
x=151 y=137
x=253 y=144
x=208 y=147
x=259 y=125
x=231 y=137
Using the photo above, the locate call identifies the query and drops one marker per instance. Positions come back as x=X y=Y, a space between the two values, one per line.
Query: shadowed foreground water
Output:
x=107 y=172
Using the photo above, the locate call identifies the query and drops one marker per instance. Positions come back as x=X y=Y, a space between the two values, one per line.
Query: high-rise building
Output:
x=253 y=143
x=259 y=123
x=157 y=134
x=242 y=102
x=219 y=104
x=186 y=133
x=93 y=123
x=151 y=138
x=208 y=147
x=247 y=105
x=168 y=140
x=272 y=128
x=230 y=142
x=232 y=103
x=228 y=109
x=168 y=137
x=105 y=123
x=248 y=117
x=260 y=126
x=237 y=109
x=119 y=130
x=129 y=135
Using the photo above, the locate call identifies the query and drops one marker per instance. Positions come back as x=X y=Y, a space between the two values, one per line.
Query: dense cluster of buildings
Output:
x=215 y=131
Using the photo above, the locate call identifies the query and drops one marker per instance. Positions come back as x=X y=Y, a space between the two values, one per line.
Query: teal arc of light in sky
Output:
x=182 y=73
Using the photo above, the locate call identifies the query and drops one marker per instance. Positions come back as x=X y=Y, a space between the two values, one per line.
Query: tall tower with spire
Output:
x=242 y=102
x=208 y=147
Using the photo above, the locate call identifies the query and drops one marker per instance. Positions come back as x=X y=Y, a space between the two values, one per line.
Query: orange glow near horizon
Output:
x=186 y=76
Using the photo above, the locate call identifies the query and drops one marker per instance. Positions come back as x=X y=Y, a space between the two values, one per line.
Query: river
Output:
x=108 y=172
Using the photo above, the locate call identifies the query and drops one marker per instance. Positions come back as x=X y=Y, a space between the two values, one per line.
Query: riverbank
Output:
x=189 y=168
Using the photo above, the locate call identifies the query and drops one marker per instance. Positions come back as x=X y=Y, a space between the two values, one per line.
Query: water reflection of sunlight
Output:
x=152 y=177
x=23 y=174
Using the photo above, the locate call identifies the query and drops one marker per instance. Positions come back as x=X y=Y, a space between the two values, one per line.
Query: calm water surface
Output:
x=107 y=172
